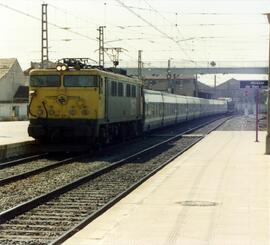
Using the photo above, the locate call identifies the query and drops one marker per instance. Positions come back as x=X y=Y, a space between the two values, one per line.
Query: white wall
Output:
x=13 y=111
x=11 y=81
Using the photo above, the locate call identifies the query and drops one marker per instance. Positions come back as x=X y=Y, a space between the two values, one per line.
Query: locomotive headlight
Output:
x=61 y=67
x=58 y=68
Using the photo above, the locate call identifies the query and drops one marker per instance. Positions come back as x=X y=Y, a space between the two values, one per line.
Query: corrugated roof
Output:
x=5 y=65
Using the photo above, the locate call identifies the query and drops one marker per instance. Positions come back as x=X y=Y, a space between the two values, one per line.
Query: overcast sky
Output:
x=190 y=33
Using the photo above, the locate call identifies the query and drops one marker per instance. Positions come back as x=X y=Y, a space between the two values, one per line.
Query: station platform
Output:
x=216 y=193
x=14 y=132
x=14 y=139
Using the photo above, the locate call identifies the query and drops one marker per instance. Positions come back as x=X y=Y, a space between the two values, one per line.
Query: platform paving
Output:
x=14 y=132
x=216 y=193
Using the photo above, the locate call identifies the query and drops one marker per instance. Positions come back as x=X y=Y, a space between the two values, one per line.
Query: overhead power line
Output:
x=154 y=27
x=157 y=12
x=50 y=23
x=189 y=13
x=74 y=16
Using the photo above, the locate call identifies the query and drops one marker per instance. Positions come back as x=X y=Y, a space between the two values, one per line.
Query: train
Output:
x=79 y=102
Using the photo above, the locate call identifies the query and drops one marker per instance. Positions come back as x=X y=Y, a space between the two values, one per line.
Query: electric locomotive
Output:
x=78 y=101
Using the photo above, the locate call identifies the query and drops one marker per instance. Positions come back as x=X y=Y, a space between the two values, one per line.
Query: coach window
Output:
x=120 y=89
x=128 y=90
x=113 y=88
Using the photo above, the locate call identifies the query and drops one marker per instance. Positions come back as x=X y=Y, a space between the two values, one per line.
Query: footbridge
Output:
x=198 y=70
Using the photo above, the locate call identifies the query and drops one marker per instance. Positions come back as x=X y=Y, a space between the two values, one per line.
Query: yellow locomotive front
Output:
x=65 y=103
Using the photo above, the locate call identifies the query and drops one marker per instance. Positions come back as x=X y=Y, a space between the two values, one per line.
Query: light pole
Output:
x=169 y=77
x=213 y=64
x=267 y=148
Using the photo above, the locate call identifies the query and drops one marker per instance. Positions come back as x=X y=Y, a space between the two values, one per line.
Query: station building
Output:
x=13 y=93
x=182 y=85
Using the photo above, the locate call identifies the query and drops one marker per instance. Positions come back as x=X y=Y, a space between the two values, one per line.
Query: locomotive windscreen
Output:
x=45 y=81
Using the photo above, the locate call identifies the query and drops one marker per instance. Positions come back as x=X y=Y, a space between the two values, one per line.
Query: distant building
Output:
x=182 y=85
x=11 y=77
x=242 y=97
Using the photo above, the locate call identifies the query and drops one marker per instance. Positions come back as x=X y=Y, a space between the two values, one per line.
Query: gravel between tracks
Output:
x=19 y=191
x=25 y=167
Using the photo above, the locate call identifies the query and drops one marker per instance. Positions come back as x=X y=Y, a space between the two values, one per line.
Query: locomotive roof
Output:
x=92 y=71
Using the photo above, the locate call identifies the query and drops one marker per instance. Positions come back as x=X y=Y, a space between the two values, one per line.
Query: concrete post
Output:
x=267 y=151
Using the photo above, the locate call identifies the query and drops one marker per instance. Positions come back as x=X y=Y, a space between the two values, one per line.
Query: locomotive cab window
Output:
x=45 y=81
x=80 y=81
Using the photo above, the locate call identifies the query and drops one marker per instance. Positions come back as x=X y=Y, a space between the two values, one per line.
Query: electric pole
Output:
x=101 y=46
x=215 y=87
x=44 y=36
x=139 y=64
x=169 y=76
x=196 y=85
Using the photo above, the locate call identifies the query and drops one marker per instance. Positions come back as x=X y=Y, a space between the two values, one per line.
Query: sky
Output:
x=190 y=33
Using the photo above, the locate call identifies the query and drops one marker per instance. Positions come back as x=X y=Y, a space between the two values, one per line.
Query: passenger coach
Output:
x=162 y=109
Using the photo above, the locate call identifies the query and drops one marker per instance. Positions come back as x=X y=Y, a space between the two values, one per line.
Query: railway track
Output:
x=23 y=170
x=54 y=216
x=21 y=160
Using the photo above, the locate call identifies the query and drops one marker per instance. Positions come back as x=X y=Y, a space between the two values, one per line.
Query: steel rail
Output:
x=21 y=160
x=28 y=205
x=37 y=171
